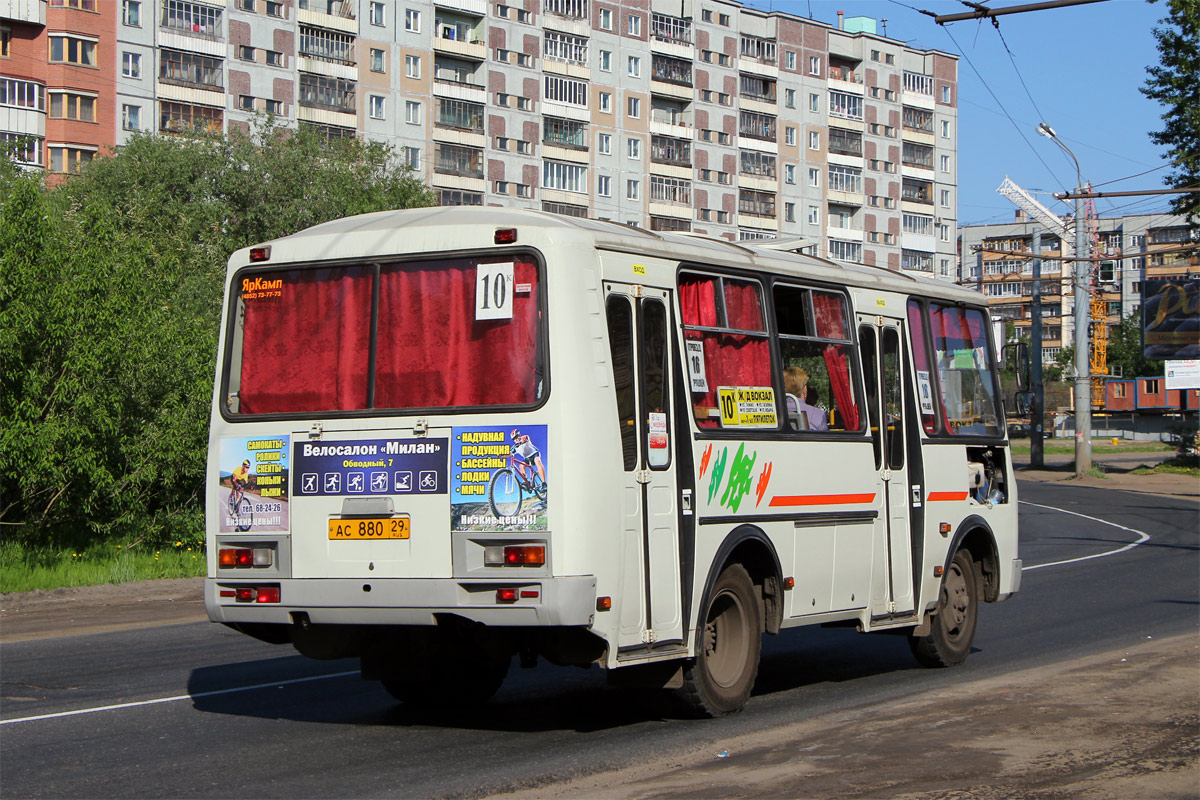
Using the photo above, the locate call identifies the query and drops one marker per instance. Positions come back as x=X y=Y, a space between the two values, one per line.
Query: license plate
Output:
x=370 y=528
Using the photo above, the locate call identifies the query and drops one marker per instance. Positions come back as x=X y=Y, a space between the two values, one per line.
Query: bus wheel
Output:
x=952 y=628
x=720 y=678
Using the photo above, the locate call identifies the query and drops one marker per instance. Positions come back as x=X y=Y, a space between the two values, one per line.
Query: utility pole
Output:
x=1037 y=409
x=1083 y=382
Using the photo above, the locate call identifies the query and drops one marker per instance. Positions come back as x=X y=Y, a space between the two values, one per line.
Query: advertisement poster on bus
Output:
x=252 y=483
x=1170 y=318
x=498 y=477
x=370 y=467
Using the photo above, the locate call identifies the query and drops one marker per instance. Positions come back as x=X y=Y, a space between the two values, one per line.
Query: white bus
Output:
x=442 y=438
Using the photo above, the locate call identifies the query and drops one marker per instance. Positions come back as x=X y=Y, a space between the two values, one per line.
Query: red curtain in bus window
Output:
x=431 y=351
x=831 y=323
x=306 y=349
x=730 y=359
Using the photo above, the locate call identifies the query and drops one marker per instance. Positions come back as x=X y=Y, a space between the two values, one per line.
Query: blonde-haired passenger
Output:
x=804 y=416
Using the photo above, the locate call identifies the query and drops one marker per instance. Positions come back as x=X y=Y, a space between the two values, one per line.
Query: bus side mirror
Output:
x=1017 y=355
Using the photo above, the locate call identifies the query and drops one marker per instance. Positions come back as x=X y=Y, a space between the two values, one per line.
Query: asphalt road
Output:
x=214 y=714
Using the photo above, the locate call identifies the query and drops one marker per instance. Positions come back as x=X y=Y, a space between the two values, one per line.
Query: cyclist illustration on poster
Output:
x=498 y=478
x=252 y=483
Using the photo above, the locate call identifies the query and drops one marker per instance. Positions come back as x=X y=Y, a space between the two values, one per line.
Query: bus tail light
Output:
x=505 y=236
x=260 y=254
x=253 y=594
x=506 y=595
x=518 y=555
x=244 y=594
x=245 y=557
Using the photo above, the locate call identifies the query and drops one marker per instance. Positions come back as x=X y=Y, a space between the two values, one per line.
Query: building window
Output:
x=605 y=61
x=814 y=65
x=66 y=106
x=274 y=107
x=131 y=118
x=274 y=58
x=845 y=105
x=604 y=186
x=376 y=107
x=944 y=163
x=634 y=148
x=412 y=20
x=635 y=107
x=569 y=91
x=65 y=159
x=814 y=176
x=605 y=102
x=72 y=50
x=412 y=66
x=789 y=98
x=945 y=129
x=244 y=52
x=564 y=176
x=945 y=198
x=723 y=20
x=131 y=13
x=814 y=140
x=412 y=112
x=946 y=95
x=131 y=65
x=604 y=144
x=845 y=251
x=606 y=19
x=789 y=136
x=274 y=9
x=245 y=102
x=176 y=117
x=190 y=69
x=376 y=60
x=789 y=173
x=634 y=25
x=376 y=13
x=789 y=212
x=706 y=15
x=635 y=67
x=412 y=157
x=789 y=60
x=814 y=215
x=633 y=189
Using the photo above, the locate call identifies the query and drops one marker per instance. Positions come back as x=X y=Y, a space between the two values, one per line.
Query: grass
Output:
x=1180 y=465
x=24 y=568
x=1067 y=447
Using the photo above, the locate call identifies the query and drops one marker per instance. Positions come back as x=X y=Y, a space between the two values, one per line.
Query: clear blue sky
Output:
x=1078 y=68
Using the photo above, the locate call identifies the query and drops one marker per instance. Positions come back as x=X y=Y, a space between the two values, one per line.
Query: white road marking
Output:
x=1143 y=537
x=177 y=698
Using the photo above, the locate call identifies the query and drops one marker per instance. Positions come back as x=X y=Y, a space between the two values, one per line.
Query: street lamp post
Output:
x=1083 y=383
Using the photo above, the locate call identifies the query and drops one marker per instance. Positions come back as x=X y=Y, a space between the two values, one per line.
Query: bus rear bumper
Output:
x=540 y=602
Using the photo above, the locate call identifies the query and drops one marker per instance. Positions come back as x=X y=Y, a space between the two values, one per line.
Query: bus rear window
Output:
x=458 y=333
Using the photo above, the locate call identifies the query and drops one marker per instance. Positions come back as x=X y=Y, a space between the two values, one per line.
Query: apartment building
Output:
x=695 y=115
x=1142 y=247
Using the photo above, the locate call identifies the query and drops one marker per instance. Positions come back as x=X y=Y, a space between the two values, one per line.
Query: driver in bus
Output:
x=523 y=447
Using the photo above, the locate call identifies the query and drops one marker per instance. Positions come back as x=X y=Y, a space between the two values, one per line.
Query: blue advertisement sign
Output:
x=498 y=478
x=369 y=467
x=252 y=483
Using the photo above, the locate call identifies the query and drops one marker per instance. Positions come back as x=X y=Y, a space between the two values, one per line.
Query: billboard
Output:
x=1171 y=318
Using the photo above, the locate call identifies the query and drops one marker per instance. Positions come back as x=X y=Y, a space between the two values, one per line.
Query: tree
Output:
x=1176 y=84
x=1125 y=350
x=109 y=311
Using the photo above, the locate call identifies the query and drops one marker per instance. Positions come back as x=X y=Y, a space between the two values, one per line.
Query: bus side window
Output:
x=620 y=342
x=866 y=338
x=815 y=353
x=726 y=339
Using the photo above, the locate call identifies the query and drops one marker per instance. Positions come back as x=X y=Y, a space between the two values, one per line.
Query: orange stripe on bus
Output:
x=822 y=499
x=936 y=496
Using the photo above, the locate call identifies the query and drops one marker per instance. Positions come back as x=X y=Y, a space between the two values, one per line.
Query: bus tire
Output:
x=952 y=628
x=729 y=643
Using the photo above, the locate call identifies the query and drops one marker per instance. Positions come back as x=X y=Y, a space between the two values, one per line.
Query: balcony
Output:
x=674 y=30
x=671 y=70
x=564 y=133
x=756 y=204
x=756 y=48
x=459 y=115
x=464 y=162
x=846 y=143
x=332 y=94
x=193 y=19
x=669 y=150
x=757 y=126
x=571 y=9
x=757 y=87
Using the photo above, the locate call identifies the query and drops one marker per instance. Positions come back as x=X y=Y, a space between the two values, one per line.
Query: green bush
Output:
x=109 y=308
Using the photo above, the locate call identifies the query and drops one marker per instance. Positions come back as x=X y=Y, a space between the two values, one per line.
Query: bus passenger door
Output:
x=639 y=336
x=883 y=371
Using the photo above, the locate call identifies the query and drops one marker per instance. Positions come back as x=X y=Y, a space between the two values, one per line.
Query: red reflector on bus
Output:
x=260 y=254
x=603 y=603
x=944 y=528
x=937 y=572
x=506 y=236
x=228 y=593
x=789 y=584
x=506 y=595
x=529 y=593
x=244 y=594
x=267 y=594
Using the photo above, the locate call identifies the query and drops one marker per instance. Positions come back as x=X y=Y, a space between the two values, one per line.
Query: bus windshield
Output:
x=442 y=334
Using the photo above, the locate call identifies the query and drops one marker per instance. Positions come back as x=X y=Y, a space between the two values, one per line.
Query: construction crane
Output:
x=1065 y=230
